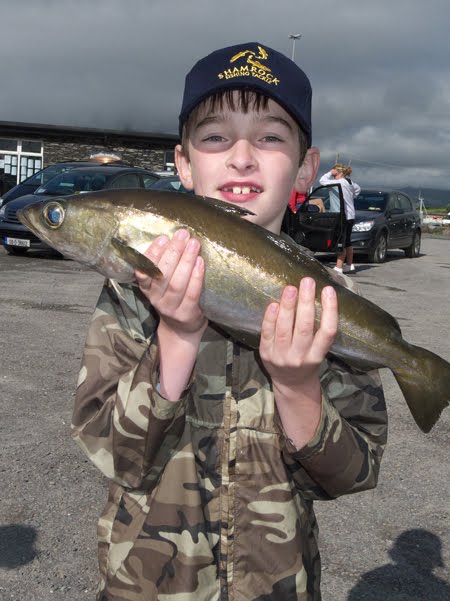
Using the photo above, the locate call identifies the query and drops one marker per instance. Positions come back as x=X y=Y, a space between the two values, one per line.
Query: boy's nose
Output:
x=242 y=156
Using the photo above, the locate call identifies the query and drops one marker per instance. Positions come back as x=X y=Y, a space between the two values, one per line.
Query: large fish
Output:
x=247 y=267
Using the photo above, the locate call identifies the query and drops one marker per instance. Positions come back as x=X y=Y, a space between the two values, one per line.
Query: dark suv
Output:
x=385 y=220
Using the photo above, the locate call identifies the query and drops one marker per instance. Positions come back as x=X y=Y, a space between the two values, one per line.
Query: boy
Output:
x=216 y=451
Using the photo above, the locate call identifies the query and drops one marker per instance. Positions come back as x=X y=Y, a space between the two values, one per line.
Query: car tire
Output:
x=413 y=251
x=15 y=250
x=378 y=253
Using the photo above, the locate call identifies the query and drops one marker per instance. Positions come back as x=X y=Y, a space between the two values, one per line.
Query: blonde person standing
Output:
x=340 y=174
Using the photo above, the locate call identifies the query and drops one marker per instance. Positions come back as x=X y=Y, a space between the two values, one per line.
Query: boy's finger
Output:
x=327 y=331
x=268 y=327
x=156 y=248
x=305 y=315
x=195 y=283
x=286 y=317
x=183 y=273
x=154 y=253
x=169 y=260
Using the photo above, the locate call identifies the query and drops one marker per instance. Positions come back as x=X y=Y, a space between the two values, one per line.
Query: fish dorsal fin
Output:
x=136 y=259
x=227 y=207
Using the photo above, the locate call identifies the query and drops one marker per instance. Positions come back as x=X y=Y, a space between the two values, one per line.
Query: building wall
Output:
x=57 y=144
x=140 y=156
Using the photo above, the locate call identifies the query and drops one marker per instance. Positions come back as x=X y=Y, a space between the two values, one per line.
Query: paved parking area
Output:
x=390 y=543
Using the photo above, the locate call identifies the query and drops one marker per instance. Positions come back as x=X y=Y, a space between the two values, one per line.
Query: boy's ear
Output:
x=307 y=171
x=183 y=168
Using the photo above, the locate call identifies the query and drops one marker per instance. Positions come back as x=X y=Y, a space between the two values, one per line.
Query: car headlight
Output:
x=2 y=212
x=363 y=226
x=1 y=201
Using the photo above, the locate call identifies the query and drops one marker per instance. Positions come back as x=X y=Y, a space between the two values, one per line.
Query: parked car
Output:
x=385 y=220
x=32 y=183
x=18 y=239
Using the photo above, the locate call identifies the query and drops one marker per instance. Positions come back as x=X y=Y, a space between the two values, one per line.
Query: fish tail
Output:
x=425 y=384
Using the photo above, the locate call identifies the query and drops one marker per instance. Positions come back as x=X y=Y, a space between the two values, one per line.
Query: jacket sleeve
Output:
x=119 y=420
x=327 y=178
x=345 y=454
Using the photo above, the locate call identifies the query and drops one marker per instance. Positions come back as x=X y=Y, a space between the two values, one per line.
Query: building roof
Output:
x=18 y=129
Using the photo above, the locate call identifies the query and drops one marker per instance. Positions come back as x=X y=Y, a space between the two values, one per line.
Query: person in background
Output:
x=340 y=174
x=296 y=200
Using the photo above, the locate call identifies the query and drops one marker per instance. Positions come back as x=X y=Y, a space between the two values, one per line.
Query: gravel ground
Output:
x=390 y=543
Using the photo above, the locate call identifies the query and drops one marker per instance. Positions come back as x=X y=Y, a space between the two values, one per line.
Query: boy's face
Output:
x=248 y=159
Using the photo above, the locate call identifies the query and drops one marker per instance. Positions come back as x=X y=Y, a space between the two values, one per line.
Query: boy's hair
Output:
x=245 y=101
x=254 y=68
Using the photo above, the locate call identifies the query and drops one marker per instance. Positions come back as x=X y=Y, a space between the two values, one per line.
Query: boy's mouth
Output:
x=241 y=189
x=240 y=192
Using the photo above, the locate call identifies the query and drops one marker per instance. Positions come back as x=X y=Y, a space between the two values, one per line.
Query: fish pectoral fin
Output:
x=135 y=258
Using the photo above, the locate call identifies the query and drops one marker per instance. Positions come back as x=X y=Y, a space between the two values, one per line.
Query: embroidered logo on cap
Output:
x=252 y=68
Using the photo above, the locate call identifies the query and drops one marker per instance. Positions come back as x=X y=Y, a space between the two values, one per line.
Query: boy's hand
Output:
x=176 y=295
x=292 y=352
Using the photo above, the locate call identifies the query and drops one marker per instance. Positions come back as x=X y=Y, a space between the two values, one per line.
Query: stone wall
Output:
x=139 y=155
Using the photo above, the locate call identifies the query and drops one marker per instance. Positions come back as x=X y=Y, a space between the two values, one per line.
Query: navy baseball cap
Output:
x=251 y=66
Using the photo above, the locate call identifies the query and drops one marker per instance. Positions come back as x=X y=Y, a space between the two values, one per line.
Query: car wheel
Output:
x=414 y=250
x=378 y=253
x=15 y=250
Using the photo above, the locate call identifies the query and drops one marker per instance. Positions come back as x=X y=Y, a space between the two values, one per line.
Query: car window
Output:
x=170 y=184
x=394 y=202
x=73 y=182
x=65 y=183
x=326 y=198
x=45 y=175
x=127 y=180
x=149 y=180
x=370 y=202
x=404 y=203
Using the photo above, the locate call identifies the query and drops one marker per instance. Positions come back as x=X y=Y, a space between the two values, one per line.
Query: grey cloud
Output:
x=379 y=70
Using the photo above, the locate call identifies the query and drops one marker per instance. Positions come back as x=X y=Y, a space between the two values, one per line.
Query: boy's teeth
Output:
x=243 y=190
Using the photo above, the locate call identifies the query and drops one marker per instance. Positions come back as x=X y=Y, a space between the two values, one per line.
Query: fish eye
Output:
x=53 y=214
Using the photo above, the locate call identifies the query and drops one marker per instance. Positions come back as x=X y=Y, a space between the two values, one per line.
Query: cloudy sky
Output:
x=380 y=70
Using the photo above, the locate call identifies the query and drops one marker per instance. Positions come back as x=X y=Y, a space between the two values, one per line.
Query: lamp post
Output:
x=293 y=37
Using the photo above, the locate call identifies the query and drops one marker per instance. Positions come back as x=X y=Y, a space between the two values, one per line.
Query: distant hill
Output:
x=431 y=197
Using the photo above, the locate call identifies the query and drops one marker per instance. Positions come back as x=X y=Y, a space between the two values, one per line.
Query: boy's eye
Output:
x=213 y=138
x=271 y=138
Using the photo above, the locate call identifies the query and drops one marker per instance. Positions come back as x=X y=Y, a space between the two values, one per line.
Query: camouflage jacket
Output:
x=208 y=498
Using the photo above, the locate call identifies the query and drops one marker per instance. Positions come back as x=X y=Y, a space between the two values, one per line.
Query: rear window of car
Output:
x=370 y=202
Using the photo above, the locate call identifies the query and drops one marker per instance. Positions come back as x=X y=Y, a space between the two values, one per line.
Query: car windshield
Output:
x=74 y=182
x=371 y=202
x=45 y=175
